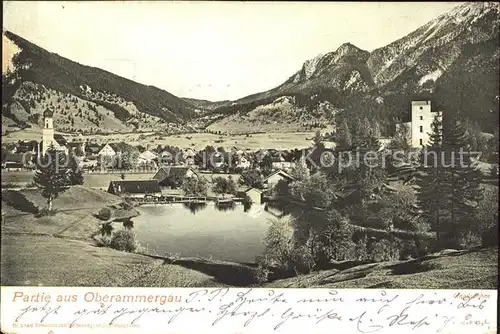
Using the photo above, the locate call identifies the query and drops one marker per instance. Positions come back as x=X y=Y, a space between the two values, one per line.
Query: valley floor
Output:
x=197 y=141
x=59 y=251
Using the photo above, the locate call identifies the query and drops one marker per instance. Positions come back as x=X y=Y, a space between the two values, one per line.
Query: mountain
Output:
x=205 y=104
x=444 y=54
x=452 y=61
x=85 y=98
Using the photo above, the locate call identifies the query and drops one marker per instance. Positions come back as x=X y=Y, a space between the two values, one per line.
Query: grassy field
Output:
x=278 y=140
x=50 y=261
x=92 y=180
x=475 y=269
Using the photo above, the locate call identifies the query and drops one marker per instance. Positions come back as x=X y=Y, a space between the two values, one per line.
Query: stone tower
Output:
x=48 y=130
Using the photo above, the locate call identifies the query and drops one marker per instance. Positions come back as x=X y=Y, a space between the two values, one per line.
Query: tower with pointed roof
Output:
x=47 y=130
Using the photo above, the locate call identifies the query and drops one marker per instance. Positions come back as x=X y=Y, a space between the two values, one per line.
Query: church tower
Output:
x=48 y=130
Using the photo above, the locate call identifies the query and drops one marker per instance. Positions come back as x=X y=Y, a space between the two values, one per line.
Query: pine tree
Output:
x=344 y=135
x=300 y=171
x=75 y=173
x=369 y=174
x=51 y=176
x=431 y=185
x=464 y=177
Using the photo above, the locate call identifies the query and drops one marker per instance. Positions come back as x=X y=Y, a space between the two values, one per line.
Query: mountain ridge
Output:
x=33 y=64
x=431 y=63
x=405 y=69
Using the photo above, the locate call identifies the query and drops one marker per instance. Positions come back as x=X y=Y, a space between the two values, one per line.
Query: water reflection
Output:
x=213 y=231
x=225 y=206
x=247 y=206
x=195 y=207
x=281 y=207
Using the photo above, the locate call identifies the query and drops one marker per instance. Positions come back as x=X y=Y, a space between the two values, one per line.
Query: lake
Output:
x=203 y=230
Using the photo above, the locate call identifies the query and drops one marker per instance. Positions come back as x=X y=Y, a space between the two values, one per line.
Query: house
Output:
x=135 y=188
x=271 y=181
x=188 y=156
x=173 y=176
x=146 y=157
x=330 y=144
x=26 y=146
x=347 y=197
x=189 y=153
x=165 y=158
x=254 y=194
x=280 y=163
x=244 y=163
x=77 y=148
x=92 y=149
x=107 y=151
x=18 y=161
x=12 y=148
x=217 y=159
x=384 y=142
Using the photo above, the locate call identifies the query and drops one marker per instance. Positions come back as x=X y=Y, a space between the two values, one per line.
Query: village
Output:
x=162 y=169
x=166 y=167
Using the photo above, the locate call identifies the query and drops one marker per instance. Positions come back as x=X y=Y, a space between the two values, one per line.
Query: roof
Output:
x=56 y=146
x=74 y=144
x=189 y=152
x=251 y=188
x=420 y=103
x=19 y=158
x=93 y=148
x=115 y=147
x=60 y=140
x=26 y=147
x=346 y=193
x=134 y=187
x=9 y=164
x=48 y=113
x=282 y=173
x=147 y=155
x=172 y=171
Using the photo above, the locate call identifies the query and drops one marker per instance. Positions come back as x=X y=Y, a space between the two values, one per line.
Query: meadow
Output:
x=196 y=141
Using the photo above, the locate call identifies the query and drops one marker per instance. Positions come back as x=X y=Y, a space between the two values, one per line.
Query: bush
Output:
x=278 y=243
x=45 y=212
x=123 y=240
x=125 y=205
x=105 y=213
x=260 y=274
x=103 y=241
x=301 y=260
x=469 y=239
x=385 y=250
x=336 y=240
x=361 y=249
x=408 y=249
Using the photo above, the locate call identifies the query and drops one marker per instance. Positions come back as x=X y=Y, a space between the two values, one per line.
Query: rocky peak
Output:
x=346 y=53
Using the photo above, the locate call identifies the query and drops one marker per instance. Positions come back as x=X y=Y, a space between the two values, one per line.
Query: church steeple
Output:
x=48 y=130
x=48 y=113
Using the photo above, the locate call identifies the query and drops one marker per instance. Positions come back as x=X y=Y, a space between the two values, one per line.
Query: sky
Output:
x=210 y=50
